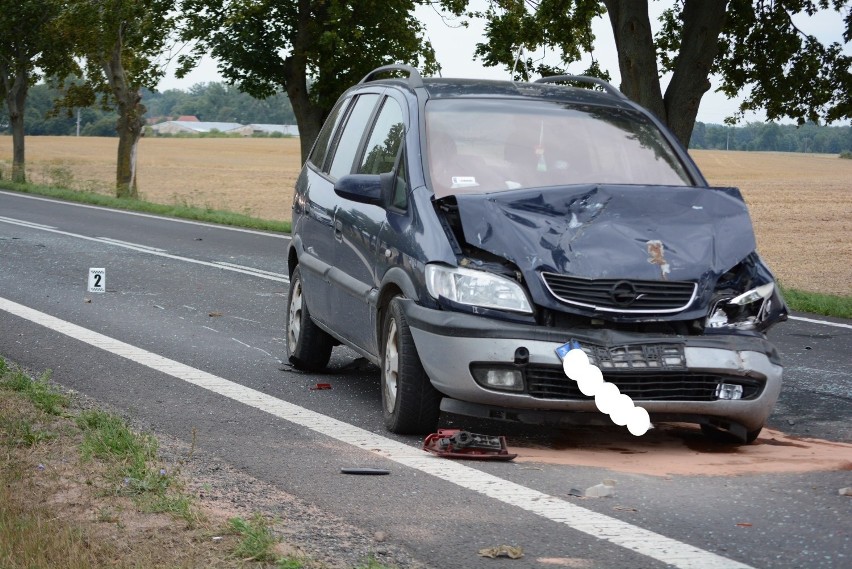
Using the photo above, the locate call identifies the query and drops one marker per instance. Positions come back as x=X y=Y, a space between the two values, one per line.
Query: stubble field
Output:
x=801 y=204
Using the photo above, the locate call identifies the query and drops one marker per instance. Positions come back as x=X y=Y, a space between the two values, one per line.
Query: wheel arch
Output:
x=396 y=282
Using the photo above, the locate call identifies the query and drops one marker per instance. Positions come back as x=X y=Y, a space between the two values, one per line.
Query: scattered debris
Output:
x=380 y=536
x=625 y=509
x=845 y=491
x=217 y=538
x=744 y=525
x=367 y=471
x=87 y=300
x=606 y=488
x=576 y=492
x=509 y=551
x=321 y=387
x=214 y=314
x=358 y=364
x=454 y=443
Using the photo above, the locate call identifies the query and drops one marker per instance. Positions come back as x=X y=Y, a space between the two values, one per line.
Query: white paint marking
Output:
x=280 y=275
x=824 y=322
x=597 y=525
x=131 y=245
x=243 y=343
x=148 y=215
x=209 y=328
x=26 y=223
x=151 y=251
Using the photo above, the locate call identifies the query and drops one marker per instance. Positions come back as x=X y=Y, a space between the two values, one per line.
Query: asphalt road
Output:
x=188 y=337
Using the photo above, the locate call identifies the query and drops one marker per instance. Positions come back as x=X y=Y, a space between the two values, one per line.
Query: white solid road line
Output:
x=154 y=251
x=634 y=538
x=138 y=214
x=824 y=322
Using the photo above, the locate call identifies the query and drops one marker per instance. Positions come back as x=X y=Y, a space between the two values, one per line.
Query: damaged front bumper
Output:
x=675 y=378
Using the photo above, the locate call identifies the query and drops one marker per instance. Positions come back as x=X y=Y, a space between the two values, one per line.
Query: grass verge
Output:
x=817 y=303
x=79 y=489
x=798 y=300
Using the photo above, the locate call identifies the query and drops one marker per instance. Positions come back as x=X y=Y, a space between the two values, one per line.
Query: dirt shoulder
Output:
x=84 y=518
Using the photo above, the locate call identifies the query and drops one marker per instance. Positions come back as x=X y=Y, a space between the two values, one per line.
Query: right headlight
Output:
x=476 y=288
x=744 y=311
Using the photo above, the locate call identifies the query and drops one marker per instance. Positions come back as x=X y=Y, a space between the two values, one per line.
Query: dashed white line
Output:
x=153 y=251
x=623 y=534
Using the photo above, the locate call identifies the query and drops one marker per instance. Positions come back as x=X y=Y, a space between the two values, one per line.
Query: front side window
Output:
x=491 y=146
x=350 y=138
x=385 y=140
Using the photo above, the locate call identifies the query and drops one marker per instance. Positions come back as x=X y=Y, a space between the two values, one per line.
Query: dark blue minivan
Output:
x=457 y=232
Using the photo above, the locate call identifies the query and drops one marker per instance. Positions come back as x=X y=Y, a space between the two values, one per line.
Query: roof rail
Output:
x=414 y=78
x=583 y=79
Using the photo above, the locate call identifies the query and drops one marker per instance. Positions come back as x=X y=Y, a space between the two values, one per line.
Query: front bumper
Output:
x=449 y=342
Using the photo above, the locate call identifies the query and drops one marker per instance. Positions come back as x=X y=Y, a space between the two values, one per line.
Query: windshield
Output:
x=481 y=145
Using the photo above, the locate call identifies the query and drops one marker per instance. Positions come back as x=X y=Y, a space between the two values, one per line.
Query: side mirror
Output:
x=373 y=189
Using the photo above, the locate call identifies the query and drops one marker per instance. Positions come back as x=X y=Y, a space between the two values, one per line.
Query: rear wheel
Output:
x=308 y=346
x=410 y=404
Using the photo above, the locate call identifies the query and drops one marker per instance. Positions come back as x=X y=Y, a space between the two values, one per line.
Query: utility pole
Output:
x=78 y=122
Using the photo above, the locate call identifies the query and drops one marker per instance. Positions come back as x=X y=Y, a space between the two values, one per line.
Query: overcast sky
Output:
x=454 y=47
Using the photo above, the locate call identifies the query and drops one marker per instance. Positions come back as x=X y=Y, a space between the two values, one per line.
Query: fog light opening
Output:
x=504 y=378
x=729 y=391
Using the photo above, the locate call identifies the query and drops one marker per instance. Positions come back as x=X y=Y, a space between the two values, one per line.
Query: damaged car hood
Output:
x=606 y=231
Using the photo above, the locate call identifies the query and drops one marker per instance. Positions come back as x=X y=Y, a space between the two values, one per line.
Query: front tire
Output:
x=308 y=346
x=410 y=404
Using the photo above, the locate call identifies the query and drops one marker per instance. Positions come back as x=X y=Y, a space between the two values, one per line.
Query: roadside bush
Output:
x=847 y=154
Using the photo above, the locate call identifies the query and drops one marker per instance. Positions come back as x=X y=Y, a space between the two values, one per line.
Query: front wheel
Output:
x=410 y=404
x=308 y=346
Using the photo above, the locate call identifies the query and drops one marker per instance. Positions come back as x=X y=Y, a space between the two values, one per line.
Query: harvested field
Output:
x=801 y=203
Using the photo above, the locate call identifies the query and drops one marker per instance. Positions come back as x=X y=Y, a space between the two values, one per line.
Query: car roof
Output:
x=452 y=88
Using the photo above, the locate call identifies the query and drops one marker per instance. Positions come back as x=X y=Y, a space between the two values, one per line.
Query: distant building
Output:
x=285 y=129
x=187 y=118
x=199 y=127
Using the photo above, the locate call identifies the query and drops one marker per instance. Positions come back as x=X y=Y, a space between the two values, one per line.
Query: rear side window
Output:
x=353 y=131
x=382 y=148
x=320 y=150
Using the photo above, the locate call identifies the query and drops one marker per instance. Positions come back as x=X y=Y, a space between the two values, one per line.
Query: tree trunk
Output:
x=309 y=116
x=16 y=97
x=637 y=56
x=129 y=125
x=702 y=23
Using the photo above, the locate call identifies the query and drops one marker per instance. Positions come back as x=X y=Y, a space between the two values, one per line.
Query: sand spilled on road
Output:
x=683 y=450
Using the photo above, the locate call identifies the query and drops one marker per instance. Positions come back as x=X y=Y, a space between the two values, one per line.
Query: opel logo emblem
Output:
x=623 y=293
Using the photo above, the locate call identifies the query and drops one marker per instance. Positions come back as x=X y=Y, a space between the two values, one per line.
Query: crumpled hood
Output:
x=632 y=232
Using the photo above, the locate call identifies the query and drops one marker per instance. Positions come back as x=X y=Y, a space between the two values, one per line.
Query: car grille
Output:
x=620 y=295
x=550 y=382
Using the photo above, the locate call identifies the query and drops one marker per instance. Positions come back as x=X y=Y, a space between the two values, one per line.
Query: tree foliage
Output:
x=754 y=46
x=28 y=44
x=313 y=50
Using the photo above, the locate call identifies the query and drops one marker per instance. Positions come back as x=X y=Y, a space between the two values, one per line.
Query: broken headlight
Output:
x=476 y=288
x=744 y=311
x=746 y=298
